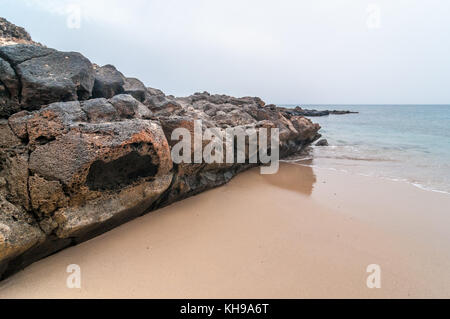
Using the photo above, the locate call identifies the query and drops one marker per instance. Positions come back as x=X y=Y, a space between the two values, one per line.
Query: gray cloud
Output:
x=318 y=51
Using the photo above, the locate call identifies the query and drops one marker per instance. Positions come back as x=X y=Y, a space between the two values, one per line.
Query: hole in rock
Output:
x=120 y=172
x=44 y=139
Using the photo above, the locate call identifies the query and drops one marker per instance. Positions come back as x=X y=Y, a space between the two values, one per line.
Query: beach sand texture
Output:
x=302 y=233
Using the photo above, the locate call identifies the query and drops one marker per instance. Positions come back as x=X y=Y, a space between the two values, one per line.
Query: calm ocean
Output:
x=409 y=143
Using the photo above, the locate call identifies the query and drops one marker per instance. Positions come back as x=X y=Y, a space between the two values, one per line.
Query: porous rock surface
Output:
x=12 y=34
x=84 y=148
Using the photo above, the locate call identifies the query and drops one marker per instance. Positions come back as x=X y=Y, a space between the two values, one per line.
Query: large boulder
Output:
x=59 y=76
x=135 y=88
x=16 y=54
x=100 y=110
x=33 y=76
x=129 y=107
x=108 y=82
x=97 y=159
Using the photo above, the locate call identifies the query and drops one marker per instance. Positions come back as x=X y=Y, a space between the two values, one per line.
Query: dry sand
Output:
x=301 y=233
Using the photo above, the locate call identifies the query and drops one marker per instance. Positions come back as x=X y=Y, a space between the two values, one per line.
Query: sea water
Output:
x=409 y=143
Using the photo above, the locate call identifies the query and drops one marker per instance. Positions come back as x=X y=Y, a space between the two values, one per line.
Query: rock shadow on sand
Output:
x=297 y=177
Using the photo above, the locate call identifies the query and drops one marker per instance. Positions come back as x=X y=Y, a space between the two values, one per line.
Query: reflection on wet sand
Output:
x=294 y=176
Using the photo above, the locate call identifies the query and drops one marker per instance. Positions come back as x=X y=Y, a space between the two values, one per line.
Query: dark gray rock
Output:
x=19 y=53
x=99 y=110
x=305 y=112
x=32 y=76
x=153 y=91
x=9 y=79
x=9 y=89
x=128 y=107
x=162 y=105
x=135 y=88
x=108 y=82
x=60 y=76
x=322 y=142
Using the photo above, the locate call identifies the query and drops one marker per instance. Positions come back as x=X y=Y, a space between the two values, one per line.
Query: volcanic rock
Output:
x=84 y=148
x=322 y=142
x=305 y=112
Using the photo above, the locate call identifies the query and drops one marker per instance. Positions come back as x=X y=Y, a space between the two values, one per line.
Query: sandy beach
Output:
x=302 y=233
x=134 y=138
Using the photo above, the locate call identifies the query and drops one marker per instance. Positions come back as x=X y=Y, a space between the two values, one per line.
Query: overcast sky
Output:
x=305 y=52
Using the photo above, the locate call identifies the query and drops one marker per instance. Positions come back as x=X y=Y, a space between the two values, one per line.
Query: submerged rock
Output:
x=322 y=142
x=84 y=148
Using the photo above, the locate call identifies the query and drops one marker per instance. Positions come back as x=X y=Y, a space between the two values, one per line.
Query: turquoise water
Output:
x=408 y=143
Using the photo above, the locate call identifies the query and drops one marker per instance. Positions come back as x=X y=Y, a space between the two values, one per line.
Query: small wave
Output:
x=426 y=188
x=353 y=158
x=392 y=179
x=296 y=160
x=404 y=180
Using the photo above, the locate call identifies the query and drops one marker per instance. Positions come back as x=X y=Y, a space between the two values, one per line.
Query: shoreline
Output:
x=302 y=233
x=390 y=179
x=400 y=146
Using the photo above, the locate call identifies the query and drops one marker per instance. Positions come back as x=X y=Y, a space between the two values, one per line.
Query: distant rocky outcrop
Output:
x=84 y=148
x=12 y=34
x=305 y=112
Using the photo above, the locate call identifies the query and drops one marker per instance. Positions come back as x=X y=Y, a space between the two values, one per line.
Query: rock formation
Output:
x=12 y=34
x=84 y=148
x=322 y=142
x=305 y=112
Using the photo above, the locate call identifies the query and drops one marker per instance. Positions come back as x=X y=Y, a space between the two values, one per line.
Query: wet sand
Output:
x=303 y=233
